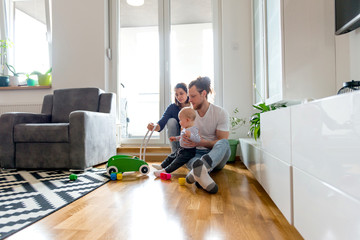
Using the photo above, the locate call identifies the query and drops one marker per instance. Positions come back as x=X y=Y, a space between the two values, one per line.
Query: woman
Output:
x=170 y=117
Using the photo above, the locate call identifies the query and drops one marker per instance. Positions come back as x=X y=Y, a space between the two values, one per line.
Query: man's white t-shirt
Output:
x=216 y=118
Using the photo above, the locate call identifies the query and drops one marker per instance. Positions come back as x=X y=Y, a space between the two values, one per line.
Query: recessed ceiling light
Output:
x=135 y=3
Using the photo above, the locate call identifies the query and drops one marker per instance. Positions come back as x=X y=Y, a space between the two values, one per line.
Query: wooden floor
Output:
x=148 y=208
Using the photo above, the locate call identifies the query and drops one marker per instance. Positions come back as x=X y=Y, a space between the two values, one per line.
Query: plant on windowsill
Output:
x=44 y=79
x=235 y=124
x=30 y=81
x=255 y=118
x=4 y=45
x=15 y=79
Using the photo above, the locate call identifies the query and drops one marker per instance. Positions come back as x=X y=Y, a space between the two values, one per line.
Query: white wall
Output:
x=354 y=49
x=79 y=42
x=237 y=58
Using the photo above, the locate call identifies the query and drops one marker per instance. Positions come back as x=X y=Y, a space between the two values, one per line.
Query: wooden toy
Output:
x=73 y=177
x=182 y=181
x=165 y=176
x=113 y=176
x=119 y=176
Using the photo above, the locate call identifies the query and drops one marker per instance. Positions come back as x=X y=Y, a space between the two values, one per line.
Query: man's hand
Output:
x=188 y=143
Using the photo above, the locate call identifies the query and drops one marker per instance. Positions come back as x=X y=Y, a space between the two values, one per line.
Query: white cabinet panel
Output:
x=326 y=138
x=251 y=156
x=273 y=174
x=276 y=180
x=322 y=212
x=275 y=133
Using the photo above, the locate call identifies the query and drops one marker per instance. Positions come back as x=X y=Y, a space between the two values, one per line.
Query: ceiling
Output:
x=182 y=12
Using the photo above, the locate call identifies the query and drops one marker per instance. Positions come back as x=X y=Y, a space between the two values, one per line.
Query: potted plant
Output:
x=4 y=45
x=29 y=80
x=44 y=79
x=255 y=118
x=235 y=123
x=15 y=79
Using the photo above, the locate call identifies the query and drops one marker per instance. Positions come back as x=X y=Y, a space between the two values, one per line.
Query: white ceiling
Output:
x=182 y=12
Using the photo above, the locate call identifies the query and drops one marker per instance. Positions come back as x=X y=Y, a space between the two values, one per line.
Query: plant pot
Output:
x=4 y=81
x=44 y=80
x=31 y=82
x=14 y=81
x=233 y=147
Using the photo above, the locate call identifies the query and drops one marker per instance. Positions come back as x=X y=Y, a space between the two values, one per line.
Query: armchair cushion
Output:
x=46 y=132
x=66 y=101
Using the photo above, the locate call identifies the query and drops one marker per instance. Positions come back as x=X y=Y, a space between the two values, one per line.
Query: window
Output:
x=162 y=42
x=28 y=27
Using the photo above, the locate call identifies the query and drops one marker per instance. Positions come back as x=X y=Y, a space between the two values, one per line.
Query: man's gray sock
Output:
x=201 y=175
x=190 y=177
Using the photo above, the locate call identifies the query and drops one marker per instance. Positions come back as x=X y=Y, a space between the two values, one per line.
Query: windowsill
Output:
x=25 y=87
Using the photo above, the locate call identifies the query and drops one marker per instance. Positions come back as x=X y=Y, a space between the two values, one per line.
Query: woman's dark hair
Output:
x=201 y=84
x=183 y=87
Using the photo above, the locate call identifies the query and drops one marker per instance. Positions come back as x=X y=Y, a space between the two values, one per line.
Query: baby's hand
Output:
x=188 y=133
x=172 y=139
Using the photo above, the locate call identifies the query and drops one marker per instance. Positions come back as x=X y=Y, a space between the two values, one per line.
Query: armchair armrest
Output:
x=92 y=137
x=7 y=123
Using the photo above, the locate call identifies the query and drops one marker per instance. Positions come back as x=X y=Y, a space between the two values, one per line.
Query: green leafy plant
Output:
x=13 y=71
x=236 y=122
x=255 y=118
x=48 y=72
x=4 y=45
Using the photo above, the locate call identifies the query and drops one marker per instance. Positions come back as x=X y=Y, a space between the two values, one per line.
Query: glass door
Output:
x=162 y=42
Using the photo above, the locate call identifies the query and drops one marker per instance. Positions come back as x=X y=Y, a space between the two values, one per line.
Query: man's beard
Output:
x=197 y=107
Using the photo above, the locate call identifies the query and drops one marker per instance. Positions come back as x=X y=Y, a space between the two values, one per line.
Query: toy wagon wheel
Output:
x=111 y=169
x=144 y=169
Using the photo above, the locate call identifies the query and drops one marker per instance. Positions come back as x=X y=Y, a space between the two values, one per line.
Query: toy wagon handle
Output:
x=142 y=154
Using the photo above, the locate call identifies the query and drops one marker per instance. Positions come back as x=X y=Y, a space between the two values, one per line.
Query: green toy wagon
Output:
x=126 y=163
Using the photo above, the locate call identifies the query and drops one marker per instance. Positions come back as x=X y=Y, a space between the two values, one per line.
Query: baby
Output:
x=183 y=154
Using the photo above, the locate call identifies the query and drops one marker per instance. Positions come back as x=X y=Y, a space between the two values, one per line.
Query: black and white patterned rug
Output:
x=28 y=196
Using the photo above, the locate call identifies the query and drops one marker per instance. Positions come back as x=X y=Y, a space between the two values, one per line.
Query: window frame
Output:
x=7 y=10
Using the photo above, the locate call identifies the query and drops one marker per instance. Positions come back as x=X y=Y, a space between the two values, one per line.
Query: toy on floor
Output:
x=113 y=176
x=73 y=177
x=182 y=181
x=165 y=176
x=125 y=163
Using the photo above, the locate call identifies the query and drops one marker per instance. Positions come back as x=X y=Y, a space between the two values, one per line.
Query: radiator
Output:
x=19 y=107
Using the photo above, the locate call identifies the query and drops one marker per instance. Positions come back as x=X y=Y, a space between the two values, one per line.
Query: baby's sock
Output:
x=158 y=172
x=157 y=166
x=201 y=175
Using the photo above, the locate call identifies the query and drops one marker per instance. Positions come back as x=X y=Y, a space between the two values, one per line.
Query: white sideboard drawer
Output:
x=275 y=133
x=326 y=138
x=277 y=182
x=251 y=156
x=323 y=212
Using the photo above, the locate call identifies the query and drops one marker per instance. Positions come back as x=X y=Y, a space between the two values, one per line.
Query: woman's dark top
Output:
x=171 y=111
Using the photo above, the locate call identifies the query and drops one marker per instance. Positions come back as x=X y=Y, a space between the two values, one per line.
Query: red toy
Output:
x=165 y=176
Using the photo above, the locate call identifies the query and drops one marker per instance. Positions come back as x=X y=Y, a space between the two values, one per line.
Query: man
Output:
x=213 y=151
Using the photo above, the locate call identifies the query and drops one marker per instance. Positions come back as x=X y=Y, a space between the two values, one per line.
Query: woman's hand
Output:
x=151 y=126
x=172 y=139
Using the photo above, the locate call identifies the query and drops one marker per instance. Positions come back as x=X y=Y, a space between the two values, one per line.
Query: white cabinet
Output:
x=308 y=162
x=294 y=49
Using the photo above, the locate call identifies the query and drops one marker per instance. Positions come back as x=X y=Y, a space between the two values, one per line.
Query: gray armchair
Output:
x=75 y=130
